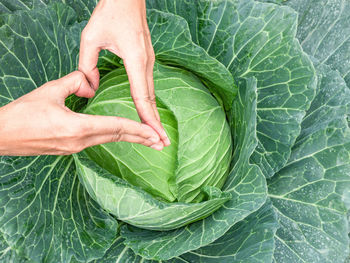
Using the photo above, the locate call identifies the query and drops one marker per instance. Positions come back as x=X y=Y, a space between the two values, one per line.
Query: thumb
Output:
x=74 y=83
x=104 y=129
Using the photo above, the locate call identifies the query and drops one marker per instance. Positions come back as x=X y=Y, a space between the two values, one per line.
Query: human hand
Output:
x=39 y=123
x=121 y=27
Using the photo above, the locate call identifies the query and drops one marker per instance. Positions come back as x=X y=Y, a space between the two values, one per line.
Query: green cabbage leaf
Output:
x=255 y=98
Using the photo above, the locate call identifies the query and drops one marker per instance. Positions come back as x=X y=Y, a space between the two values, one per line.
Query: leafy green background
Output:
x=302 y=144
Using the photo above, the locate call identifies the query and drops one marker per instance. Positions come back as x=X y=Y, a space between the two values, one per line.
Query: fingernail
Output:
x=154 y=139
x=167 y=141
x=157 y=147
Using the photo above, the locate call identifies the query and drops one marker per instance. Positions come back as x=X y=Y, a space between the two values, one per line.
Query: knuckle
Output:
x=78 y=76
x=148 y=100
x=152 y=99
x=137 y=99
x=117 y=137
x=118 y=131
x=86 y=36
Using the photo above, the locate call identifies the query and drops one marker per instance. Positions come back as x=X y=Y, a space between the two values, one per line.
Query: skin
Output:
x=39 y=123
x=121 y=27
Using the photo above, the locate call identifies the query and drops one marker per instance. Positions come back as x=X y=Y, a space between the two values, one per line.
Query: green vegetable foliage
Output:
x=255 y=98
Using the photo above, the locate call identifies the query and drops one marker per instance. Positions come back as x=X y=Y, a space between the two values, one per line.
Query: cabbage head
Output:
x=254 y=96
x=191 y=170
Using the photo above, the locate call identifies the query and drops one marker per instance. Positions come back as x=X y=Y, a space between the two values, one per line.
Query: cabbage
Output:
x=201 y=148
x=255 y=98
x=194 y=167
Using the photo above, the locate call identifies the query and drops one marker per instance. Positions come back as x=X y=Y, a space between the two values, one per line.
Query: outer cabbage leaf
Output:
x=274 y=1
x=348 y=205
x=324 y=30
x=57 y=218
x=308 y=193
x=9 y=6
x=257 y=39
x=35 y=52
x=216 y=18
x=118 y=252
x=107 y=62
x=245 y=183
x=250 y=240
x=173 y=45
x=8 y=254
x=45 y=213
x=133 y=205
x=83 y=8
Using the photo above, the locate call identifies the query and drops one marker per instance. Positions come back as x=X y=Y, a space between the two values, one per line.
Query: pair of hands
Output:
x=40 y=123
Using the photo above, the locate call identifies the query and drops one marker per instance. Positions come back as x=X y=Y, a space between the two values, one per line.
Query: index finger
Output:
x=137 y=73
x=88 y=57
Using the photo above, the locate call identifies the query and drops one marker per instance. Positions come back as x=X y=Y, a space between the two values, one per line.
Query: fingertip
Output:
x=167 y=141
x=150 y=133
x=162 y=134
x=164 y=137
x=93 y=77
x=157 y=146
x=87 y=66
x=86 y=92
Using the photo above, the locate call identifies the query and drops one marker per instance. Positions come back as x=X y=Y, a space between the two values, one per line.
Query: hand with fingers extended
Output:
x=39 y=123
x=121 y=27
